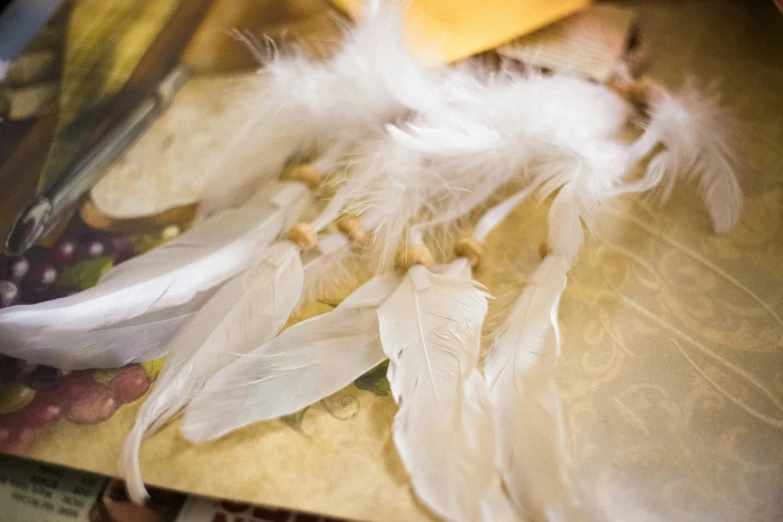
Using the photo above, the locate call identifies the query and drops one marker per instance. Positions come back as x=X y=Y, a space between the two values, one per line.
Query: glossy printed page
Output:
x=671 y=368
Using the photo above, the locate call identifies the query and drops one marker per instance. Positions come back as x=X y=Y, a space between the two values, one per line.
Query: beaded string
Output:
x=305 y=235
x=470 y=248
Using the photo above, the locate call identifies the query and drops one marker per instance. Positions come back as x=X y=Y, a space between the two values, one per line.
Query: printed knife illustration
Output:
x=146 y=96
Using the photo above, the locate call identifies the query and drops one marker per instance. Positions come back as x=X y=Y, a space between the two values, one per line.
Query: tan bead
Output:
x=353 y=230
x=624 y=88
x=411 y=255
x=308 y=175
x=303 y=235
x=543 y=249
x=647 y=91
x=471 y=249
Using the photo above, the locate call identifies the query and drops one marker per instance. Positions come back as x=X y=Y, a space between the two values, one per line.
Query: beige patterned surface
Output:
x=672 y=368
x=169 y=168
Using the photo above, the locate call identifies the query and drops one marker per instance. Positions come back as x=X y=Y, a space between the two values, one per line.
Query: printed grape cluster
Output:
x=34 y=397
x=73 y=263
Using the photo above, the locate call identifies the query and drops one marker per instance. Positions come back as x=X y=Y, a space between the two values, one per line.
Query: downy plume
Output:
x=390 y=186
x=510 y=121
x=144 y=290
x=251 y=308
x=304 y=105
x=505 y=130
x=698 y=140
x=306 y=363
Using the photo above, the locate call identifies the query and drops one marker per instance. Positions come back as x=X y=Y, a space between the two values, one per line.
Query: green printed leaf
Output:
x=14 y=396
x=105 y=376
x=153 y=368
x=375 y=380
x=294 y=421
x=85 y=274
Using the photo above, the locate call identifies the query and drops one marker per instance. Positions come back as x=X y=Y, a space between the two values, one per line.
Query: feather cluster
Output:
x=406 y=151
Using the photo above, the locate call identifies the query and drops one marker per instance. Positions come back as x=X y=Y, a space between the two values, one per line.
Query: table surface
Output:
x=672 y=367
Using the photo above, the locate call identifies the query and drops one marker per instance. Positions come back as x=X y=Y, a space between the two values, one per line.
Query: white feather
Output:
x=251 y=308
x=140 y=339
x=443 y=429
x=529 y=424
x=584 y=177
x=390 y=185
x=405 y=175
x=371 y=80
x=306 y=363
x=467 y=138
x=531 y=449
x=166 y=277
x=697 y=137
x=511 y=117
x=509 y=129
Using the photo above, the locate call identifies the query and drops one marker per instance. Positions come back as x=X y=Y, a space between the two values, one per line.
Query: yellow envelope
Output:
x=448 y=30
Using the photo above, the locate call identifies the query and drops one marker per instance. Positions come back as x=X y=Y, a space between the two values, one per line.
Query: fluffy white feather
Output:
x=584 y=177
x=531 y=432
x=398 y=178
x=166 y=277
x=510 y=128
x=698 y=141
x=509 y=117
x=430 y=330
x=306 y=363
x=250 y=309
x=371 y=80
x=389 y=187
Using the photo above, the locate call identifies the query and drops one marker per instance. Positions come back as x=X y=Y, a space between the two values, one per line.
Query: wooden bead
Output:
x=412 y=255
x=642 y=92
x=622 y=88
x=353 y=230
x=308 y=175
x=303 y=235
x=471 y=249
x=646 y=91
